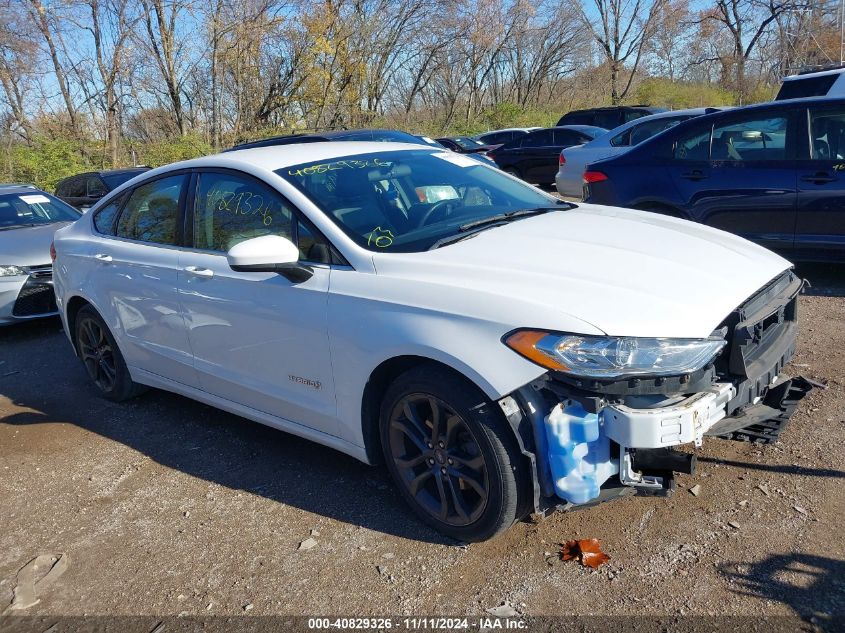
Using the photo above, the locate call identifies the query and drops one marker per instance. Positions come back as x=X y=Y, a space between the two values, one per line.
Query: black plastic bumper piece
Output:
x=763 y=423
x=659 y=460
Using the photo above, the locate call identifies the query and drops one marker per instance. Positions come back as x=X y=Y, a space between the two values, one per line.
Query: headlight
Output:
x=614 y=356
x=11 y=271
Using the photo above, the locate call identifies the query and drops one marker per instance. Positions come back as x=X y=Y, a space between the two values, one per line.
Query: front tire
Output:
x=452 y=454
x=102 y=359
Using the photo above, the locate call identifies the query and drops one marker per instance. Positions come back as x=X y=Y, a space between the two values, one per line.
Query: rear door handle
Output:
x=818 y=178
x=102 y=257
x=695 y=174
x=199 y=272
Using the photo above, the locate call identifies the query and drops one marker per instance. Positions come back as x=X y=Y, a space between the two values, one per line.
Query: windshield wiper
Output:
x=510 y=216
x=471 y=229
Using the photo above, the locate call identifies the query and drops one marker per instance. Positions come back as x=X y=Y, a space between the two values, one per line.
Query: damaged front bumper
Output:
x=590 y=443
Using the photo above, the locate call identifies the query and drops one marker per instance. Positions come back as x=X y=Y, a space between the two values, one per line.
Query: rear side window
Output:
x=95 y=186
x=577 y=118
x=543 y=138
x=568 y=137
x=152 y=212
x=693 y=146
x=621 y=140
x=751 y=139
x=608 y=119
x=807 y=87
x=827 y=134
x=104 y=217
x=73 y=187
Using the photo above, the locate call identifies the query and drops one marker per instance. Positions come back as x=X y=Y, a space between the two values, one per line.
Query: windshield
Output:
x=408 y=201
x=33 y=209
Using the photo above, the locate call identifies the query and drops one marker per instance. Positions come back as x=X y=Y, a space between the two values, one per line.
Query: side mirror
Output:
x=268 y=254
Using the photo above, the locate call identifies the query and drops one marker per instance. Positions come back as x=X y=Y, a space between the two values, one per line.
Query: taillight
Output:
x=52 y=252
x=561 y=161
x=594 y=176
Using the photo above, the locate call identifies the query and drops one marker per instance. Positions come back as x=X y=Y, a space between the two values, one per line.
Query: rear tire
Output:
x=452 y=454
x=513 y=171
x=101 y=357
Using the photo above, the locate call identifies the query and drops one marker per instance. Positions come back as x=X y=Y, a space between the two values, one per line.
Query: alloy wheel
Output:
x=97 y=354
x=438 y=459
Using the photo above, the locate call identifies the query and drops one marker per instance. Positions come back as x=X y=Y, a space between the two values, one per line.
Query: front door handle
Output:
x=695 y=174
x=102 y=257
x=818 y=178
x=199 y=272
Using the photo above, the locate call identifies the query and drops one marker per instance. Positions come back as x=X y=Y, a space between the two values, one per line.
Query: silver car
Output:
x=573 y=159
x=28 y=219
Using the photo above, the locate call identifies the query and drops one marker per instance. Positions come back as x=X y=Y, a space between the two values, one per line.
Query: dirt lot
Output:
x=165 y=506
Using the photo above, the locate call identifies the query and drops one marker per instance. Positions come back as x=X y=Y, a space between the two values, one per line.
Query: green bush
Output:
x=45 y=162
x=678 y=95
x=161 y=153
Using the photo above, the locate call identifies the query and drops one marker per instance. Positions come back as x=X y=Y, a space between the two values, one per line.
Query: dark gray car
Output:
x=84 y=190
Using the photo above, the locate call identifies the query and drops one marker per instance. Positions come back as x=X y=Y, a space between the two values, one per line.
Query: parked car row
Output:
x=773 y=173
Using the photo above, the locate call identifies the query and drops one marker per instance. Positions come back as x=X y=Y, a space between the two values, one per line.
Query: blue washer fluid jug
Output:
x=579 y=452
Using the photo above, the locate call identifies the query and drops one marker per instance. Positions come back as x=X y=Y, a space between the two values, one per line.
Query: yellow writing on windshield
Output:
x=323 y=168
x=382 y=238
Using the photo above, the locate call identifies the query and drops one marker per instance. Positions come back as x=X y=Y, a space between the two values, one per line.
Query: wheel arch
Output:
x=72 y=307
x=380 y=379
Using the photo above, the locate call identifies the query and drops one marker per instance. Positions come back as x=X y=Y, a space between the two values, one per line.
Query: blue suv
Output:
x=773 y=173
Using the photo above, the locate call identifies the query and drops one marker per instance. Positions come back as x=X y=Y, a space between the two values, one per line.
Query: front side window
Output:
x=406 y=201
x=33 y=209
x=231 y=208
x=754 y=139
x=827 y=134
x=152 y=212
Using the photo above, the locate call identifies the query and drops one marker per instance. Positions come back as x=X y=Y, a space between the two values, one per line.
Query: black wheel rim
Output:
x=97 y=354
x=438 y=460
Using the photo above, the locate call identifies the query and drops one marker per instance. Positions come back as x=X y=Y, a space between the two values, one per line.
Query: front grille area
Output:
x=37 y=296
x=763 y=328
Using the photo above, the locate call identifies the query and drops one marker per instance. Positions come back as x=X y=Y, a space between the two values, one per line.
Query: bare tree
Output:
x=623 y=32
x=46 y=28
x=745 y=22
x=162 y=21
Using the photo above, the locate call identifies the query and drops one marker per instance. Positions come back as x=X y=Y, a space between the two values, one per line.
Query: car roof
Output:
x=15 y=188
x=273 y=157
x=590 y=129
x=5 y=186
x=316 y=137
x=836 y=70
x=124 y=170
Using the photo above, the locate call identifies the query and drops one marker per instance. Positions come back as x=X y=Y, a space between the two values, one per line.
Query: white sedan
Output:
x=502 y=352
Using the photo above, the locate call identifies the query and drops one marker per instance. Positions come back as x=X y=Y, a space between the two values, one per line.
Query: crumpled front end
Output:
x=591 y=440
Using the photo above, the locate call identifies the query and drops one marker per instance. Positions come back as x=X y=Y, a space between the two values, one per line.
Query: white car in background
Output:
x=573 y=160
x=28 y=219
x=501 y=351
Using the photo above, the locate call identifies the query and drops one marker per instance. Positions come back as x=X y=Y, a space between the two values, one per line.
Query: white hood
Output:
x=627 y=273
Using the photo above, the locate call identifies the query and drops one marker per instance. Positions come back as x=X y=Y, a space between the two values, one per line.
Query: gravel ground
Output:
x=165 y=506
